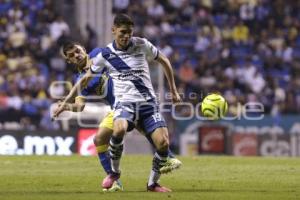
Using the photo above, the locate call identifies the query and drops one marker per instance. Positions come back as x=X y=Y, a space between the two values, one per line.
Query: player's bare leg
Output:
x=116 y=150
x=161 y=140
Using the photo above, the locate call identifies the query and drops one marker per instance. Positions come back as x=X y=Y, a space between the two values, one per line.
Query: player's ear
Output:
x=113 y=29
x=62 y=54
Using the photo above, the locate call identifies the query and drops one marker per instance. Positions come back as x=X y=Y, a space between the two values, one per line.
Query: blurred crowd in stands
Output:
x=30 y=31
x=249 y=50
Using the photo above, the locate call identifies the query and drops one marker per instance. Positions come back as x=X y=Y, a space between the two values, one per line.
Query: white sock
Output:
x=115 y=152
x=115 y=165
x=153 y=178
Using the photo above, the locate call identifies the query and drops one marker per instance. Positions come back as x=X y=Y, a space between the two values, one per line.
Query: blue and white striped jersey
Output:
x=129 y=69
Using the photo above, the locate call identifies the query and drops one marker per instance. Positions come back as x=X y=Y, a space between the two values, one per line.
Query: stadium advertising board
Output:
x=242 y=138
x=63 y=143
x=286 y=124
x=37 y=143
x=244 y=144
x=134 y=143
x=295 y=144
x=212 y=139
x=274 y=145
x=86 y=145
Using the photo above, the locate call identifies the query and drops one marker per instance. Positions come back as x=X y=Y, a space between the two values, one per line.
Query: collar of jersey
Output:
x=116 y=48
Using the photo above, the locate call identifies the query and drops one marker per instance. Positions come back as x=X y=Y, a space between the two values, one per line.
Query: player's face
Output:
x=122 y=35
x=77 y=55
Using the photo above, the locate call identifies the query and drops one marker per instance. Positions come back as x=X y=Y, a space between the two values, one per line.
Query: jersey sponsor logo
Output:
x=138 y=55
x=130 y=75
x=125 y=55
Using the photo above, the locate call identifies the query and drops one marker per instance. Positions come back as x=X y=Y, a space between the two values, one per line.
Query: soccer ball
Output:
x=214 y=106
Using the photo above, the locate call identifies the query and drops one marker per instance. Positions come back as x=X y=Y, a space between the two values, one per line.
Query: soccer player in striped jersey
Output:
x=126 y=58
x=101 y=85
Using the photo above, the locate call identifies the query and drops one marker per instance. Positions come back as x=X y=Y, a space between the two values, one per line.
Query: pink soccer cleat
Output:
x=157 y=188
x=109 y=180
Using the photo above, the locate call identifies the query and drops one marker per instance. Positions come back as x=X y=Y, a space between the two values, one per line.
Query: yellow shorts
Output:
x=108 y=121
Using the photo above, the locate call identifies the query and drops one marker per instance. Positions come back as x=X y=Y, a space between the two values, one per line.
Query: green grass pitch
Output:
x=203 y=177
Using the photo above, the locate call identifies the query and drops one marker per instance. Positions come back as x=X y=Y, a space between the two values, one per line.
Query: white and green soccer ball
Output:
x=214 y=106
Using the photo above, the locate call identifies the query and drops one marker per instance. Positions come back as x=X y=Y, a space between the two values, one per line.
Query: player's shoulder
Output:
x=98 y=50
x=139 y=41
x=95 y=52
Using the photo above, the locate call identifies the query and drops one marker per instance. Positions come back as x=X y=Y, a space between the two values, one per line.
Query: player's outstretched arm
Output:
x=168 y=70
x=77 y=87
x=77 y=106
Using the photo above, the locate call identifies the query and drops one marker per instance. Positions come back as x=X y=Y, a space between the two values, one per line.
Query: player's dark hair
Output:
x=67 y=46
x=123 y=19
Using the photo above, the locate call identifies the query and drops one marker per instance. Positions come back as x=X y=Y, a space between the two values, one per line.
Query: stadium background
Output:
x=247 y=50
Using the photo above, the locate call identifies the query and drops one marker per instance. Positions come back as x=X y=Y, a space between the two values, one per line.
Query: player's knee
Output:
x=120 y=129
x=119 y=132
x=98 y=140
x=102 y=136
x=163 y=144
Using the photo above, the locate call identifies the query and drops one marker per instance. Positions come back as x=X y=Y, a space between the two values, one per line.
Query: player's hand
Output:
x=176 y=97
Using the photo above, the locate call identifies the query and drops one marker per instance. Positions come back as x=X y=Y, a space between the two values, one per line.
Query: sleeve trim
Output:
x=80 y=97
